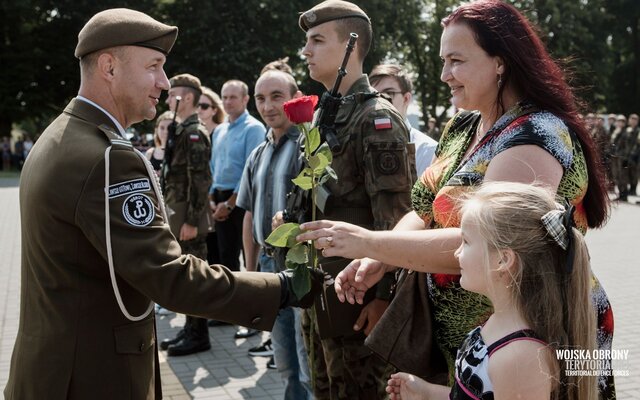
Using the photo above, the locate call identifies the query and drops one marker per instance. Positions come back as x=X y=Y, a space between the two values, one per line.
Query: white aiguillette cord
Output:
x=156 y=188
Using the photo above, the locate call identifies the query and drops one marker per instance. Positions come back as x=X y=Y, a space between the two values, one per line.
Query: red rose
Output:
x=301 y=109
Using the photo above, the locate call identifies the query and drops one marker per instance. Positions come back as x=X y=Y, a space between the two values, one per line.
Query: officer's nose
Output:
x=163 y=81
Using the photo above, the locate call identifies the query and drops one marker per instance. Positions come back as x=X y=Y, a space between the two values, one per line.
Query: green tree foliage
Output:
x=221 y=40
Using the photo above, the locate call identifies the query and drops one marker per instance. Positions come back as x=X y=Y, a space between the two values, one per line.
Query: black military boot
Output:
x=164 y=345
x=196 y=340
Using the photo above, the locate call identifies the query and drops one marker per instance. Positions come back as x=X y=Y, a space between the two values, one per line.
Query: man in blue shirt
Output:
x=263 y=192
x=231 y=144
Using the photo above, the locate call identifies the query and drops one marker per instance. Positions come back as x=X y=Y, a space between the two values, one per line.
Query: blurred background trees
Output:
x=598 y=41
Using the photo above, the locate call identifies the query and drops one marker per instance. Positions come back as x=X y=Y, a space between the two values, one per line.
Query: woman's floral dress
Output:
x=456 y=311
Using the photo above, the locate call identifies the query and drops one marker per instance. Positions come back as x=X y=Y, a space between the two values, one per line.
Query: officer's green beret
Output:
x=124 y=27
x=186 y=80
x=330 y=10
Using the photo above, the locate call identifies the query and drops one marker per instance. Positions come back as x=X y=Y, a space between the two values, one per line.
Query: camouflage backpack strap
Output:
x=119 y=143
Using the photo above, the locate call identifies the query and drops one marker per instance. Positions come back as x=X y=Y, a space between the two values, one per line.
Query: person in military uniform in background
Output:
x=100 y=252
x=187 y=178
x=375 y=171
x=619 y=155
x=633 y=135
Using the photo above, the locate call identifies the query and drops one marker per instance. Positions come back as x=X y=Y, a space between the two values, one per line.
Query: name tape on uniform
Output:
x=129 y=187
x=138 y=210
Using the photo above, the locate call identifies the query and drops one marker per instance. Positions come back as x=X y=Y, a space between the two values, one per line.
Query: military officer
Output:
x=187 y=179
x=375 y=168
x=96 y=249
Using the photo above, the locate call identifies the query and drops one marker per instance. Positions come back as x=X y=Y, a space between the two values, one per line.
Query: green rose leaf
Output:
x=326 y=151
x=301 y=280
x=313 y=140
x=303 y=181
x=298 y=254
x=281 y=235
x=318 y=163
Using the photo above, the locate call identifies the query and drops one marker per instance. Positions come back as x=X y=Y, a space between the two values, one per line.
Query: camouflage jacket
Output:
x=187 y=178
x=375 y=163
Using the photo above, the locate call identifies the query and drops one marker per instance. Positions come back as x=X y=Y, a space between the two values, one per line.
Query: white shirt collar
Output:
x=115 y=121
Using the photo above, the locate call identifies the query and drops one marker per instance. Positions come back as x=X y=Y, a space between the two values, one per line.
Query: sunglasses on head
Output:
x=204 y=106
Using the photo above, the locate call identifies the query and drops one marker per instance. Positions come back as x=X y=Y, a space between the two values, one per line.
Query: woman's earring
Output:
x=499 y=81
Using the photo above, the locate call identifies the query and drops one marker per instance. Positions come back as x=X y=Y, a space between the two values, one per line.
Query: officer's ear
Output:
x=105 y=66
x=297 y=94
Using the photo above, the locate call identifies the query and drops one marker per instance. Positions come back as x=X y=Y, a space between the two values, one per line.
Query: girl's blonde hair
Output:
x=509 y=216
x=165 y=116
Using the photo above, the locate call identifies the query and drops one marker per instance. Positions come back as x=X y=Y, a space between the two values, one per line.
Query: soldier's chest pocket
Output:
x=348 y=167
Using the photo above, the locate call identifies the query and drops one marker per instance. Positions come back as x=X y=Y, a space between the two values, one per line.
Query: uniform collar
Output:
x=361 y=85
x=79 y=112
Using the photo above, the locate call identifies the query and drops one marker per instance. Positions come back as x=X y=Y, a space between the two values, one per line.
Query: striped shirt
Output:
x=266 y=180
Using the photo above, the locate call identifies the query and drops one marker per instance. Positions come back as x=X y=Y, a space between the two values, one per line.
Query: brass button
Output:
x=142 y=346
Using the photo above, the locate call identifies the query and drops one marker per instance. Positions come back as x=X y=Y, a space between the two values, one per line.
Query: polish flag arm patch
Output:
x=194 y=137
x=382 y=123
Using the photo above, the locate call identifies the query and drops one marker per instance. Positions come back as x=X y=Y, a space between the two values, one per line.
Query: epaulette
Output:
x=116 y=140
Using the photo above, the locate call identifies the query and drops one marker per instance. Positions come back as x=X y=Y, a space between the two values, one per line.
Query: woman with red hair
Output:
x=518 y=122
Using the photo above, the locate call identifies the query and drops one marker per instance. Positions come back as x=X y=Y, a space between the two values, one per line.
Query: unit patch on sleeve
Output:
x=194 y=137
x=138 y=210
x=388 y=162
x=382 y=123
x=129 y=187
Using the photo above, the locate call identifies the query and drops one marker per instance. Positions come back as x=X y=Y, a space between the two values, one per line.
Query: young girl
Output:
x=155 y=154
x=518 y=250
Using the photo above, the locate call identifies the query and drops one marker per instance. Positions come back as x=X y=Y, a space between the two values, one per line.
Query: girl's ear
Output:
x=507 y=260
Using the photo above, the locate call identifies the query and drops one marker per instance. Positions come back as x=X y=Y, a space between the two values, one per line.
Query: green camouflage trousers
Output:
x=344 y=367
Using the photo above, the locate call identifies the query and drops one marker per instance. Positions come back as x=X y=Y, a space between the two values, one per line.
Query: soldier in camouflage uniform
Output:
x=186 y=184
x=375 y=168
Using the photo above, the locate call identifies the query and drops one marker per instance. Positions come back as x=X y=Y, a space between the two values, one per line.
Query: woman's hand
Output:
x=356 y=278
x=337 y=239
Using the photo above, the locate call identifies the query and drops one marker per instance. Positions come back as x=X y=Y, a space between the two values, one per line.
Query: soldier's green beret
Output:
x=124 y=27
x=330 y=10
x=186 y=80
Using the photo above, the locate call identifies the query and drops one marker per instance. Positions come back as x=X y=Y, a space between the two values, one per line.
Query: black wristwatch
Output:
x=229 y=207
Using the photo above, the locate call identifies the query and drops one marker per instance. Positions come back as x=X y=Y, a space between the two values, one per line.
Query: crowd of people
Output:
x=485 y=217
x=618 y=141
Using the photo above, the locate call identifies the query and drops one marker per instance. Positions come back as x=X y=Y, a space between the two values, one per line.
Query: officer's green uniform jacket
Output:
x=73 y=340
x=375 y=165
x=188 y=178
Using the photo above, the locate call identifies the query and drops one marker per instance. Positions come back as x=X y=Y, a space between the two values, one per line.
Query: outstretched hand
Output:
x=358 y=277
x=403 y=386
x=336 y=239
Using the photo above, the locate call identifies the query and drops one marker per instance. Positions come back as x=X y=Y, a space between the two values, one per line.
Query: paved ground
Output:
x=226 y=372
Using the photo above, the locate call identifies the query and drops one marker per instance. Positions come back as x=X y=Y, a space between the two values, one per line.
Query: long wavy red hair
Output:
x=502 y=31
